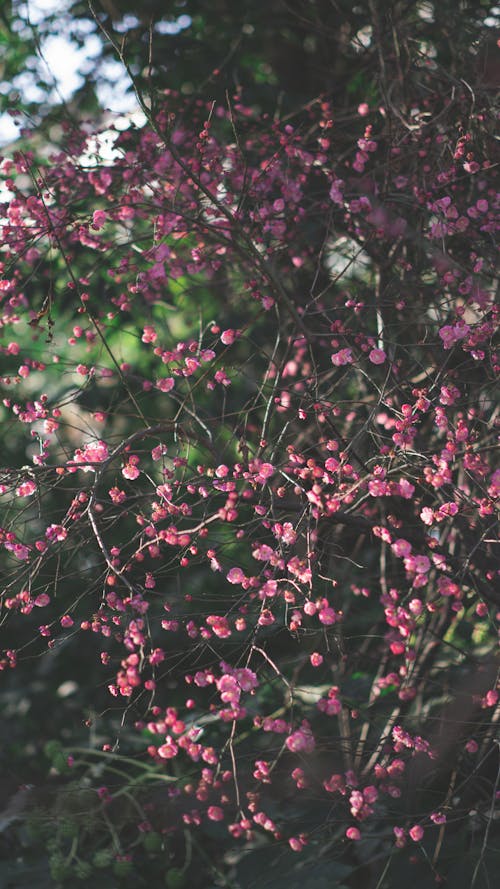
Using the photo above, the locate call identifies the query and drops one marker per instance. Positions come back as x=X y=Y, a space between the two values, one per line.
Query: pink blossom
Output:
x=263 y=553
x=219 y=625
x=327 y=615
x=284 y=532
x=353 y=833
x=378 y=488
x=301 y=741
x=166 y=384
x=449 y=394
x=370 y=793
x=235 y=575
x=265 y=471
x=331 y=464
x=400 y=835
x=344 y=356
x=334 y=784
x=158 y=452
x=215 y=813
x=130 y=471
x=490 y=699
x=94 y=452
x=438 y=818
x=336 y=192
x=330 y=706
x=229 y=689
x=25 y=489
x=247 y=679
x=406 y=489
x=98 y=219
x=427 y=515
x=42 y=600
x=261 y=772
x=228 y=337
x=419 y=564
x=377 y=356
x=206 y=355
x=451 y=334
x=416 y=833
x=401 y=548
x=56 y=532
x=149 y=334
x=169 y=749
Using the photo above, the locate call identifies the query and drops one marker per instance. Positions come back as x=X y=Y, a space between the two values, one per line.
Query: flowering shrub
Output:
x=247 y=387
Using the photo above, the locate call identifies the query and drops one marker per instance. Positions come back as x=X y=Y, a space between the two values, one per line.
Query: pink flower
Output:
x=419 y=564
x=370 y=794
x=130 y=469
x=336 y=194
x=265 y=471
x=228 y=337
x=427 y=515
x=490 y=698
x=235 y=575
x=25 y=489
x=353 y=833
x=165 y=385
x=344 y=356
x=229 y=689
x=377 y=356
x=416 y=833
x=215 y=813
x=399 y=833
x=149 y=335
x=158 y=452
x=471 y=167
x=56 y=532
x=19 y=550
x=98 y=219
x=453 y=334
x=220 y=626
x=42 y=600
x=169 y=749
x=406 y=489
x=334 y=784
x=401 y=548
x=301 y=741
x=247 y=679
x=327 y=615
